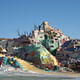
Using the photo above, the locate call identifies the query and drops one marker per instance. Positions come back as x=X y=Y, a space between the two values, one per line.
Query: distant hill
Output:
x=6 y=39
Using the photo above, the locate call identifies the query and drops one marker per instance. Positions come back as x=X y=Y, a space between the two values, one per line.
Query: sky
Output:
x=21 y=15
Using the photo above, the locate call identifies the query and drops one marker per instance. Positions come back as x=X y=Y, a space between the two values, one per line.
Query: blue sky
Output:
x=23 y=14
